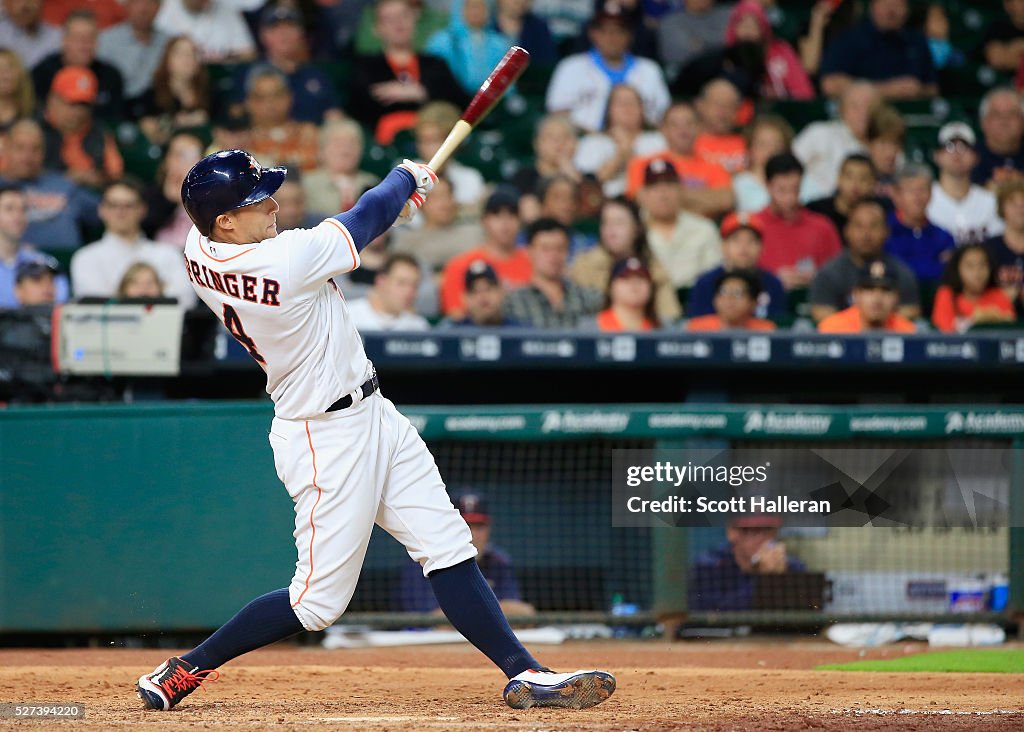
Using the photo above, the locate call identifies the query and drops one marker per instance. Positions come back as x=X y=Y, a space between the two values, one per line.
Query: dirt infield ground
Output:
x=762 y=686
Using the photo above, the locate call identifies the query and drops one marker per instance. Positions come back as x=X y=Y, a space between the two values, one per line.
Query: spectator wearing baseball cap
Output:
x=797 y=242
x=484 y=299
x=277 y=138
x=14 y=250
x=75 y=143
x=550 y=299
x=78 y=48
x=415 y=594
x=735 y=302
x=916 y=241
x=500 y=222
x=722 y=578
x=866 y=234
x=684 y=242
x=621 y=235
x=741 y=249
x=964 y=209
x=581 y=83
x=707 y=187
x=875 y=300
x=35 y=281
x=285 y=45
x=629 y=300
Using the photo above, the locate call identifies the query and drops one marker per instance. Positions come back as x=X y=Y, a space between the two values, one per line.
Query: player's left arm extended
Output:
x=378 y=208
x=401 y=193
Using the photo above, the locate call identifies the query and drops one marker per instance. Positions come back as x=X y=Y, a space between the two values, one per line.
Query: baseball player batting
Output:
x=345 y=454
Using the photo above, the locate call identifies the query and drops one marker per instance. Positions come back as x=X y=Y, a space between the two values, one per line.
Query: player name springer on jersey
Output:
x=262 y=290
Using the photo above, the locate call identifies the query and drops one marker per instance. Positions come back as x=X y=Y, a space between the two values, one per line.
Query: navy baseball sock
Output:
x=469 y=603
x=267 y=619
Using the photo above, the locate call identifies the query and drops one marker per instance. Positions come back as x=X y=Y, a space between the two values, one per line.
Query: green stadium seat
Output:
x=141 y=157
x=379 y=159
x=796 y=302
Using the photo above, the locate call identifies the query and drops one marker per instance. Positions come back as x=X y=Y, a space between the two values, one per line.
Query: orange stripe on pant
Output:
x=312 y=526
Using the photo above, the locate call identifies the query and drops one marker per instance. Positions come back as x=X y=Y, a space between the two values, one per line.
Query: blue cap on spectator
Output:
x=473 y=508
x=480 y=269
x=502 y=199
x=280 y=14
x=877 y=274
x=35 y=266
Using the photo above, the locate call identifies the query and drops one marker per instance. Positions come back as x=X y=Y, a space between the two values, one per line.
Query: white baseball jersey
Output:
x=971 y=220
x=278 y=300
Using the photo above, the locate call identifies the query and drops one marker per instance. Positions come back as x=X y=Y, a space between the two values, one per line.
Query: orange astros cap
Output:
x=736 y=221
x=76 y=85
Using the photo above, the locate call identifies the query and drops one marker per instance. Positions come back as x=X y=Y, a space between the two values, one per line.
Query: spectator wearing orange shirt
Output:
x=875 y=300
x=797 y=242
x=629 y=300
x=707 y=187
x=735 y=301
x=277 y=138
x=74 y=144
x=718 y=142
x=970 y=293
x=501 y=227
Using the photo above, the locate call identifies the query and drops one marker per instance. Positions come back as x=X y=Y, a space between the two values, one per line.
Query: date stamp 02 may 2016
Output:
x=53 y=710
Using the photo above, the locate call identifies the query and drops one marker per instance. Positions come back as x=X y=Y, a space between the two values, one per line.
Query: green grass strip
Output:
x=967 y=660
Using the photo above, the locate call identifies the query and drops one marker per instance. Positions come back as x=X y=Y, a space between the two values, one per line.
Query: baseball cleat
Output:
x=170 y=682
x=544 y=688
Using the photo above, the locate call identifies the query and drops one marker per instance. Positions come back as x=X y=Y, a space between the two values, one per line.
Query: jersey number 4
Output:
x=234 y=326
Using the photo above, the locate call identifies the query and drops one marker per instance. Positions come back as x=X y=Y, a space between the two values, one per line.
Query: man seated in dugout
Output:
x=722 y=578
x=415 y=594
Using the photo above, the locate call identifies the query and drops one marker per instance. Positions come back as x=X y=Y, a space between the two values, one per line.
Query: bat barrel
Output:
x=510 y=68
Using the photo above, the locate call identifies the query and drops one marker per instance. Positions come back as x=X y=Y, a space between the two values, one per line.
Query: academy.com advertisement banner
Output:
x=817 y=486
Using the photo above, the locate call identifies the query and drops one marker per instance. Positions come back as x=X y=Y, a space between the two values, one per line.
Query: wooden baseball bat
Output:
x=511 y=66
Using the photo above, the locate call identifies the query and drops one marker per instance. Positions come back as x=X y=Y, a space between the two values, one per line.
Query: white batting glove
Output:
x=425 y=179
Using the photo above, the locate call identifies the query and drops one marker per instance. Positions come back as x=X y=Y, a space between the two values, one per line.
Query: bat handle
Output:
x=451 y=143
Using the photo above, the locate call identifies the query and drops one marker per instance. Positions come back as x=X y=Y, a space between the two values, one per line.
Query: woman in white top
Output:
x=767 y=136
x=605 y=154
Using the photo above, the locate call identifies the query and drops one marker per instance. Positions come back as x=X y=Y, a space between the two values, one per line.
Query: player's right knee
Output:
x=319 y=610
x=314 y=620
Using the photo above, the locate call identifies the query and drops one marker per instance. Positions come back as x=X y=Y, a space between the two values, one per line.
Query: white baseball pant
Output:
x=345 y=471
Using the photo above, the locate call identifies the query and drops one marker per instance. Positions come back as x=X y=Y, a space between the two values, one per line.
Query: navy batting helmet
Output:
x=224 y=181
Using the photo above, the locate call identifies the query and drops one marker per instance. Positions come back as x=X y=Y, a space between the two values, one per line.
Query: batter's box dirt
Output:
x=765 y=687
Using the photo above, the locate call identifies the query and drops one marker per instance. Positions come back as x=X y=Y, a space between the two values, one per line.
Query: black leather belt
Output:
x=367 y=389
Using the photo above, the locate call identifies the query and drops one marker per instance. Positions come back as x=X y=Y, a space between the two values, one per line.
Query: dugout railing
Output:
x=166 y=517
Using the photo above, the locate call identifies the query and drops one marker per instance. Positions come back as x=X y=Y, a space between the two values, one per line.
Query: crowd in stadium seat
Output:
x=663 y=164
